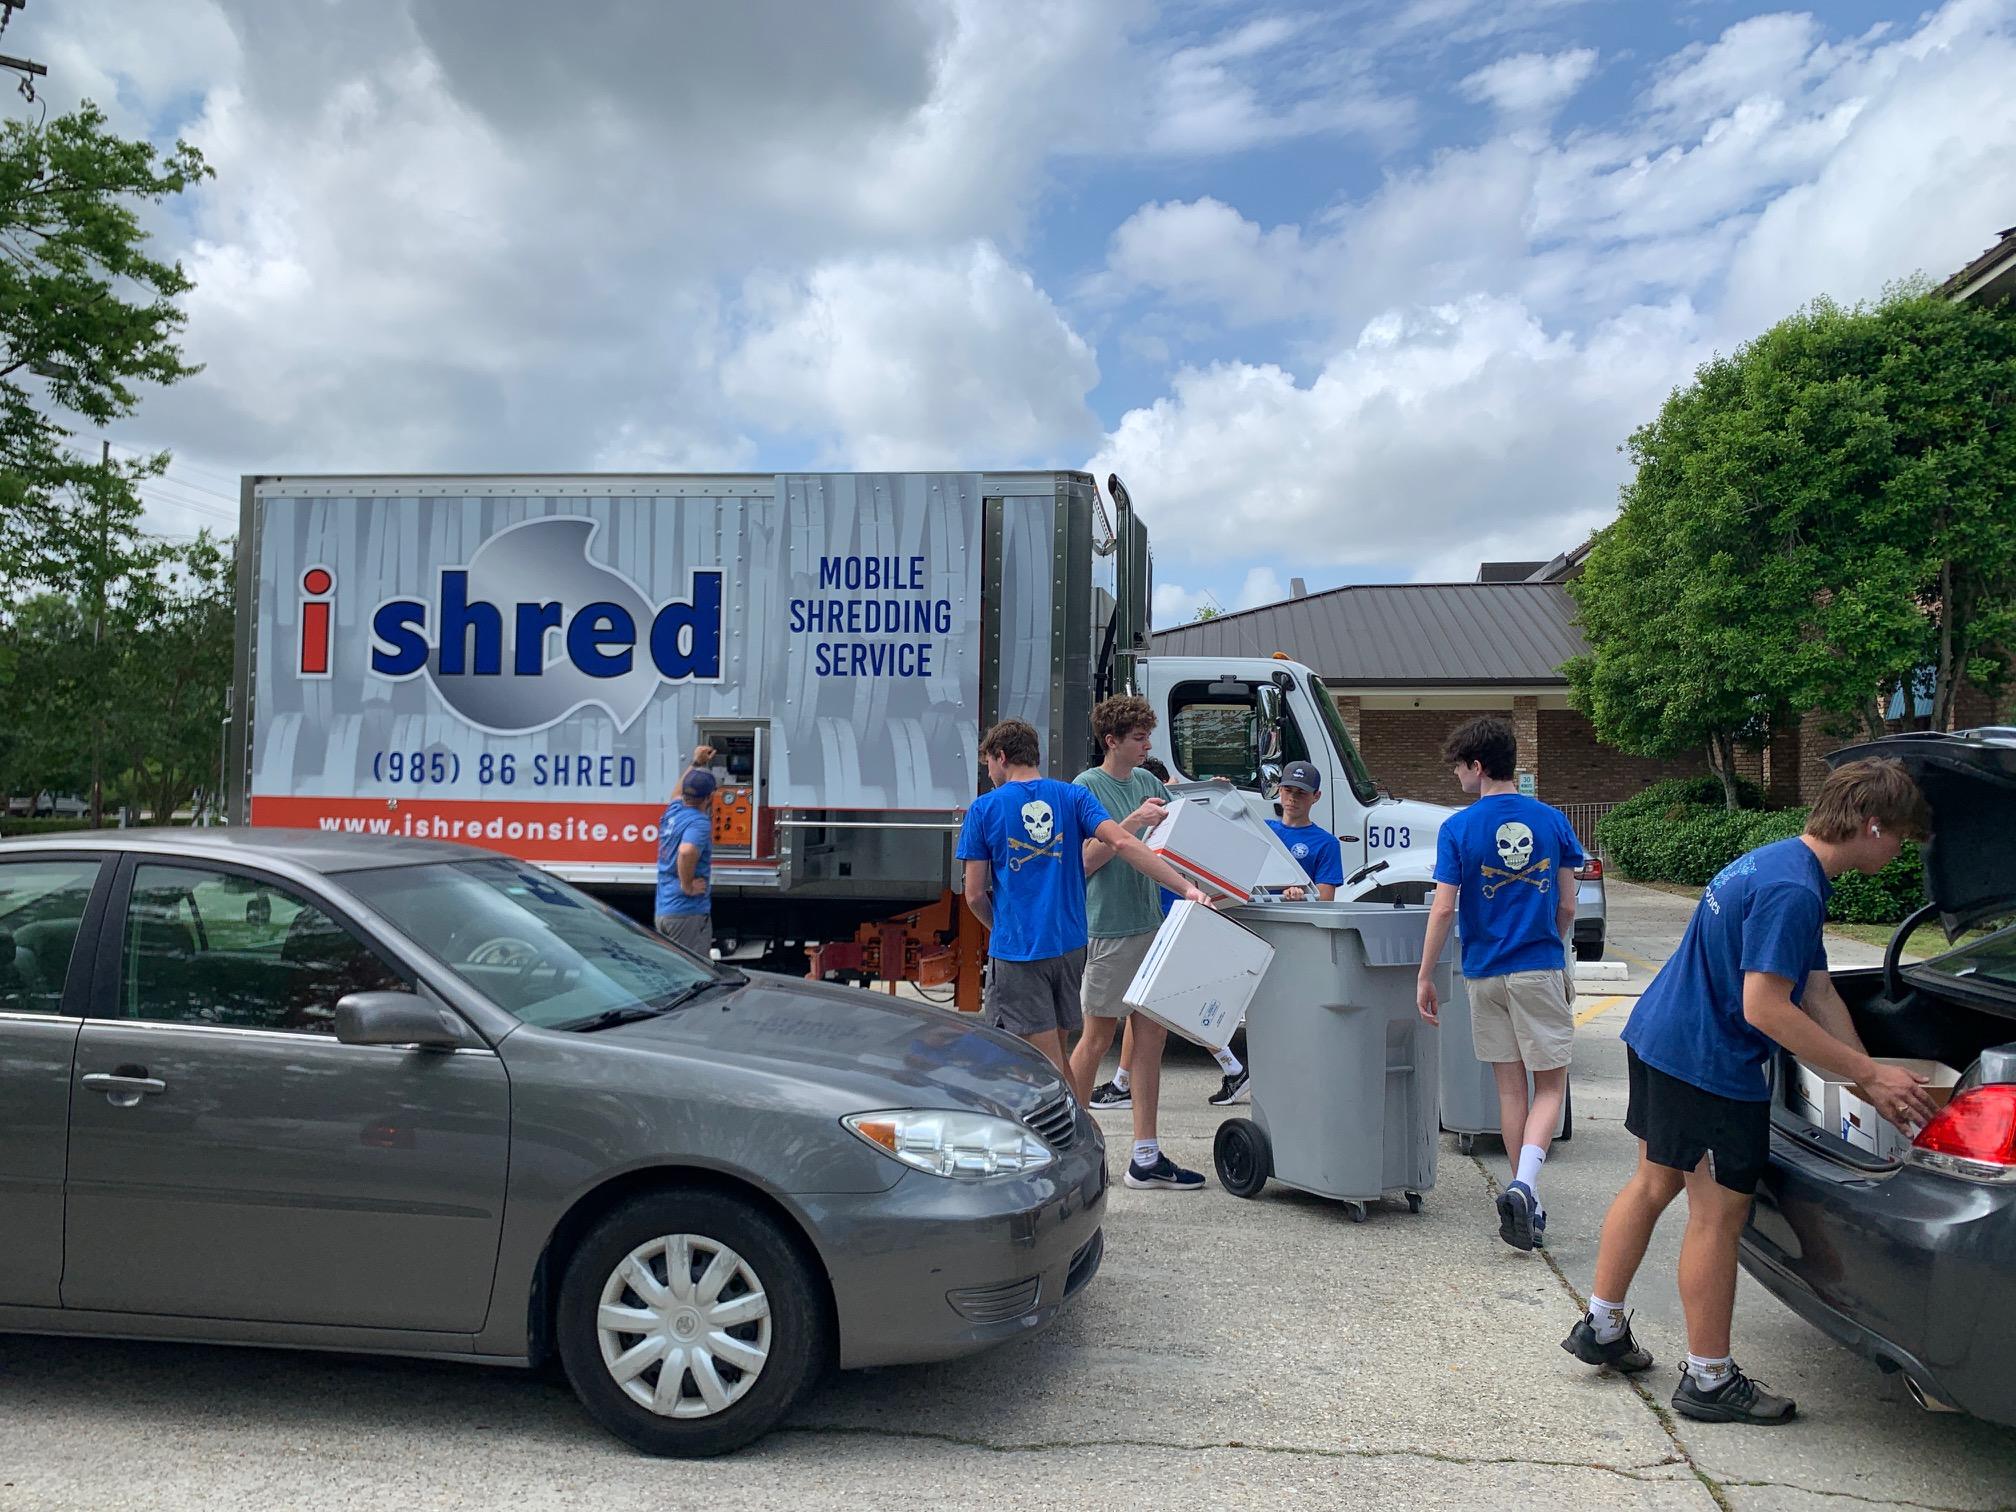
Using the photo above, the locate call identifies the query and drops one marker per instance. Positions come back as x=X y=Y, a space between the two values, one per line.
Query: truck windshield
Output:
x=534 y=946
x=1347 y=751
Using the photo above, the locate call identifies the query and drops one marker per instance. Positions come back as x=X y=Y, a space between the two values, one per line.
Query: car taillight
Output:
x=1973 y=1136
x=1590 y=873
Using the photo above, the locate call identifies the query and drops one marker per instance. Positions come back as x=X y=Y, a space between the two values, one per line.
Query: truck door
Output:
x=1213 y=731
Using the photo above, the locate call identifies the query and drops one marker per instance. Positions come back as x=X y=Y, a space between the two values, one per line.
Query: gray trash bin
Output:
x=1345 y=1070
x=1469 y=1086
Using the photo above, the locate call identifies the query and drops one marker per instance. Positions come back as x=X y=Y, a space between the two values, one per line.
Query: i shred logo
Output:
x=532 y=628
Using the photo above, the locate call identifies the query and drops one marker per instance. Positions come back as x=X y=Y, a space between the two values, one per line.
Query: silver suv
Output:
x=328 y=1091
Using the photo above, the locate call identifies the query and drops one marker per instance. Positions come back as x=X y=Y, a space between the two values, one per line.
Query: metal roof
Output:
x=1409 y=635
x=1990 y=277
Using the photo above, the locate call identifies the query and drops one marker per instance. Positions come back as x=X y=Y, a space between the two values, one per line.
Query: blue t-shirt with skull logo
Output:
x=1506 y=855
x=1033 y=834
x=1315 y=847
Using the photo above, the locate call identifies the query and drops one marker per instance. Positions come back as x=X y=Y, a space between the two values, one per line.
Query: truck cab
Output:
x=1243 y=720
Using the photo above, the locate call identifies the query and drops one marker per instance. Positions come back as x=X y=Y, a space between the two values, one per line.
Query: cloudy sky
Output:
x=1364 y=291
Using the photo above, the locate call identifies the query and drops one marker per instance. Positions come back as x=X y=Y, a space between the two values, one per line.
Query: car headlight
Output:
x=966 y=1146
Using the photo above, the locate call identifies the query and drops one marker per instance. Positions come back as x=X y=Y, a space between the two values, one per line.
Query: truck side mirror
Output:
x=1267 y=730
x=1270 y=779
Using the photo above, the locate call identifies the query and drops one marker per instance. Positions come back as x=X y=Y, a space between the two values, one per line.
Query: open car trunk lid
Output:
x=1969 y=781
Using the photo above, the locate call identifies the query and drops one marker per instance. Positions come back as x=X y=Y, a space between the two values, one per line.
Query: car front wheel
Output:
x=689 y=1323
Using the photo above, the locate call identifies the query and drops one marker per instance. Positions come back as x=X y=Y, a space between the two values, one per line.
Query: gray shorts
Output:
x=694 y=932
x=1109 y=970
x=1034 y=997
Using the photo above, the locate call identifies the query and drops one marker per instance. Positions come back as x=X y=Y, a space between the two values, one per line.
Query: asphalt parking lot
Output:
x=1236 y=1354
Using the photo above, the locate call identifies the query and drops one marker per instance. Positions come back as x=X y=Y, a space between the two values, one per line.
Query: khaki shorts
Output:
x=1109 y=970
x=1527 y=1016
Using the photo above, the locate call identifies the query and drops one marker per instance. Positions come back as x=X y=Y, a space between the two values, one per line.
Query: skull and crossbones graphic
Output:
x=1039 y=821
x=1515 y=849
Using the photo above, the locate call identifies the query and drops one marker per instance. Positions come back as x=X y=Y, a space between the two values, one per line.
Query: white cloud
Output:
x=1765 y=55
x=905 y=362
x=1434 y=435
x=1528 y=85
x=1262 y=586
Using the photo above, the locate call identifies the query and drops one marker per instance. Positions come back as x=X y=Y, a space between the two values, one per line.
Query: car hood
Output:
x=1969 y=780
x=878 y=1051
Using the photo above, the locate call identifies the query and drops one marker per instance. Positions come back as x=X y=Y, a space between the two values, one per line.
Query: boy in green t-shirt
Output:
x=1122 y=913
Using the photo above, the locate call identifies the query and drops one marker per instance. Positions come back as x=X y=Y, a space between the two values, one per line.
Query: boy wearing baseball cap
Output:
x=1309 y=843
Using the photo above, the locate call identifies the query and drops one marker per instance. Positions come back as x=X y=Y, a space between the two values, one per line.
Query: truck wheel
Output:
x=689 y=1324
x=1243 y=1157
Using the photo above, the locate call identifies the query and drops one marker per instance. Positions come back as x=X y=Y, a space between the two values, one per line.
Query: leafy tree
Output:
x=1206 y=612
x=87 y=317
x=1814 y=520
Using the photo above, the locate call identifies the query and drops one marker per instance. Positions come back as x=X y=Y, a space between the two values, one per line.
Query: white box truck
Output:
x=525 y=662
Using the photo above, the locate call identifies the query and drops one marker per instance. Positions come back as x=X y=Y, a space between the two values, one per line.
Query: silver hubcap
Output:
x=684 y=1326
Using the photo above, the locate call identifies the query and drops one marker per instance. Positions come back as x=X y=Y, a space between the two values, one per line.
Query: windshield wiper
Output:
x=686 y=995
x=609 y=1018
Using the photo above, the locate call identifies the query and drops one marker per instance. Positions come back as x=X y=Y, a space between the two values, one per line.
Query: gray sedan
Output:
x=335 y=1092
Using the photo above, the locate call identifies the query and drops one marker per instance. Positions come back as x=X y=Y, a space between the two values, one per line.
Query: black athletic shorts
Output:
x=1680 y=1123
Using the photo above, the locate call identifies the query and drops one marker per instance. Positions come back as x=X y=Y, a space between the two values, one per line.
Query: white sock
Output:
x=1607 y=1318
x=1227 y=1061
x=1531 y=1158
x=1147 y=1151
x=1710 y=1375
x=1121 y=1080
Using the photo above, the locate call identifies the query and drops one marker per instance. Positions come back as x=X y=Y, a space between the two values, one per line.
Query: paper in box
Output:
x=1222 y=856
x=1200 y=972
x=1866 y=1129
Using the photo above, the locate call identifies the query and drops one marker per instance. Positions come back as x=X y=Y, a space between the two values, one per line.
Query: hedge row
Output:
x=40 y=826
x=1672 y=839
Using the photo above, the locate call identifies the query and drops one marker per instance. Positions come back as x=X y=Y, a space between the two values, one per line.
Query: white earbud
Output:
x=1875 y=829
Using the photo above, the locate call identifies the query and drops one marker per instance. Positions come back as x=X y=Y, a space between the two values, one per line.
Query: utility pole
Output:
x=30 y=71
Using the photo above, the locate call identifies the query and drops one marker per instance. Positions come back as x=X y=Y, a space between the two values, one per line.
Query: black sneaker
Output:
x=1737 y=1400
x=1515 y=1215
x=1621 y=1354
x=1165 y=1175
x=1106 y=1095
x=1233 y=1089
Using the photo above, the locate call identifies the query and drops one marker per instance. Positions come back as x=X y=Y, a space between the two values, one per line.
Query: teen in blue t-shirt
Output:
x=1321 y=857
x=683 y=910
x=1750 y=975
x=1505 y=868
x=1023 y=845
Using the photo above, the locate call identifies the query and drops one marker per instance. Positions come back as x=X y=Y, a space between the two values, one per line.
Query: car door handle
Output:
x=124 y=1091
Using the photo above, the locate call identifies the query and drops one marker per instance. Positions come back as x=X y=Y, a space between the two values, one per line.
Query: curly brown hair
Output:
x=1120 y=716
x=1488 y=741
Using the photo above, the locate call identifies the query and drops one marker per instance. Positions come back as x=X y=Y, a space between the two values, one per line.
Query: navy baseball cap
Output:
x=1303 y=775
x=699 y=783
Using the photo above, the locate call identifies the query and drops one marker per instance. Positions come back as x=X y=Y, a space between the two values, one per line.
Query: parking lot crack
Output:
x=1639 y=1472
x=1659 y=1410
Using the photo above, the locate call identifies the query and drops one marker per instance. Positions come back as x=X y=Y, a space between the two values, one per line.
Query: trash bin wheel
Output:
x=1413 y=1202
x=1466 y=1144
x=1355 y=1211
x=1567 y=1113
x=1242 y=1157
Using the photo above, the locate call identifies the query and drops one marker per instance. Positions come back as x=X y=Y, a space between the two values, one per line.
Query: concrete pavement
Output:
x=1236 y=1354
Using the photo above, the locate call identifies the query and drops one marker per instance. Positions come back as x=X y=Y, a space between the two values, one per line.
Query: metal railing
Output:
x=1583 y=817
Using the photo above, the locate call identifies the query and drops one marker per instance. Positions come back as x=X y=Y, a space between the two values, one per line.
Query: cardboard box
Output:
x=1815 y=1096
x=1200 y=972
x=1222 y=856
x=1866 y=1129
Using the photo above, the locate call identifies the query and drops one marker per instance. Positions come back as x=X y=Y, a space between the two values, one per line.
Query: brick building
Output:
x=1410 y=661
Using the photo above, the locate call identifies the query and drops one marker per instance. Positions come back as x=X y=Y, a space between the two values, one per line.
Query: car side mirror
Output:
x=397 y=1018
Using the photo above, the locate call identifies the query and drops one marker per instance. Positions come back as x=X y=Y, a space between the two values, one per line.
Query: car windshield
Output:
x=1989 y=963
x=534 y=946
x=1354 y=764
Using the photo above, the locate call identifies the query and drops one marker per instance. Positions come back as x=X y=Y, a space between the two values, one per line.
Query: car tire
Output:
x=722 y=1402
x=1589 y=950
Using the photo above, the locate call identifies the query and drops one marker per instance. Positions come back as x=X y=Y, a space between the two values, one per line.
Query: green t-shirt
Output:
x=1119 y=901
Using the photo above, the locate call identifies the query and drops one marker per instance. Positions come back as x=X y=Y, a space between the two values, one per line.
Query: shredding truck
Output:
x=526 y=663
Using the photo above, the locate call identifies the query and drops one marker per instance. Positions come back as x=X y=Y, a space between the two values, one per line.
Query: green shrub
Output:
x=40 y=826
x=1690 y=843
x=1662 y=798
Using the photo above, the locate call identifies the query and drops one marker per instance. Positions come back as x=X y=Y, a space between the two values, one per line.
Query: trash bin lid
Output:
x=1392 y=934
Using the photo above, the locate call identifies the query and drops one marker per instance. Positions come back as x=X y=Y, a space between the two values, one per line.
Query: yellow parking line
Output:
x=1595 y=1009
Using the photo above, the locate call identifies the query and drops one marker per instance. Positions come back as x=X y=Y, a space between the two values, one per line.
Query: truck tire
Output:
x=711 y=1285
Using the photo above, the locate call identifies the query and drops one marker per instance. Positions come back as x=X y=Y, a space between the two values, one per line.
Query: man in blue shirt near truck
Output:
x=1505 y=866
x=684 y=909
